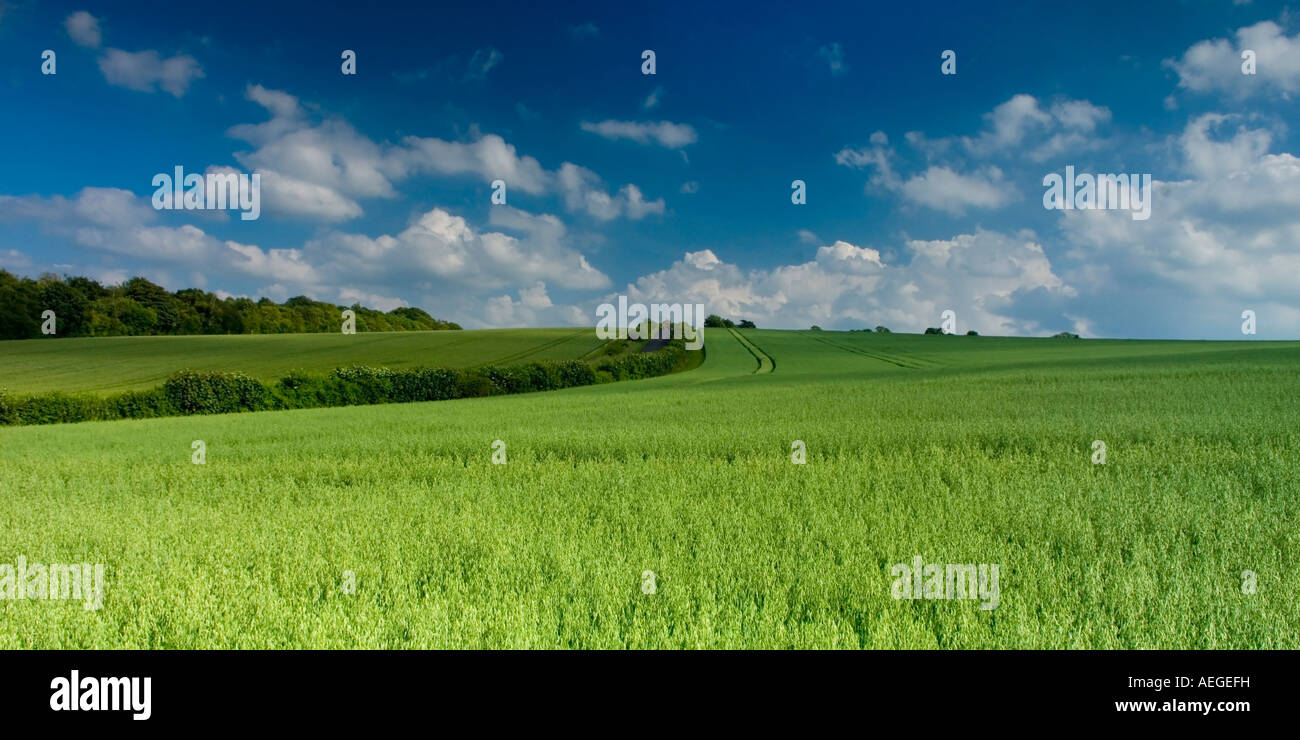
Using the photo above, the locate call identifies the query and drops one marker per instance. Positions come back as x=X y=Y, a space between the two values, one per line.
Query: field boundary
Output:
x=516 y=356
x=909 y=363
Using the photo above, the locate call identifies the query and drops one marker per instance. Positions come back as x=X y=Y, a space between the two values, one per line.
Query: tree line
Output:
x=84 y=308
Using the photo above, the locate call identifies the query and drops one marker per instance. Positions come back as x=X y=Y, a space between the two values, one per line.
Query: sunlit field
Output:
x=106 y=364
x=668 y=512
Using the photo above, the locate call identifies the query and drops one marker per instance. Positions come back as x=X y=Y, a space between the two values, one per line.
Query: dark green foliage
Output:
x=746 y=324
x=1065 y=335
x=714 y=321
x=84 y=308
x=645 y=364
x=212 y=392
x=934 y=330
x=972 y=333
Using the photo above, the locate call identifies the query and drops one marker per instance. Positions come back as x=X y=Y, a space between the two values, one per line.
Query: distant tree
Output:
x=83 y=307
x=972 y=333
x=714 y=321
x=1065 y=335
x=815 y=328
x=883 y=330
x=934 y=330
x=746 y=324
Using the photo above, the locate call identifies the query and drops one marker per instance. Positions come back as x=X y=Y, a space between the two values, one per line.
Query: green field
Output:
x=108 y=364
x=957 y=449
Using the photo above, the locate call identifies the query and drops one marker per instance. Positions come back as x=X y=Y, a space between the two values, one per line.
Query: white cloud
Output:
x=489 y=158
x=664 y=133
x=946 y=190
x=146 y=71
x=848 y=286
x=1022 y=124
x=83 y=28
x=440 y=260
x=1226 y=239
x=322 y=169
x=1214 y=65
x=878 y=156
x=584 y=192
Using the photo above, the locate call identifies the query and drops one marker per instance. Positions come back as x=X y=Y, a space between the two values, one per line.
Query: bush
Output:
x=646 y=364
x=8 y=411
x=59 y=408
x=972 y=333
x=883 y=330
x=1065 y=335
x=215 y=392
x=139 y=405
x=934 y=330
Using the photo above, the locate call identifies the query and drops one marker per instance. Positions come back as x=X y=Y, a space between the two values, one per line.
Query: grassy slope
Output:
x=106 y=364
x=980 y=456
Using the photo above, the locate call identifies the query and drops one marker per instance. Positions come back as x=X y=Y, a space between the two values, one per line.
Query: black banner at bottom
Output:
x=335 y=690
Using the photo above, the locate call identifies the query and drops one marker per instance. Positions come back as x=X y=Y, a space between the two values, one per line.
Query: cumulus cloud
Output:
x=1022 y=124
x=1215 y=65
x=939 y=187
x=1224 y=239
x=848 y=286
x=664 y=133
x=438 y=261
x=946 y=190
x=322 y=169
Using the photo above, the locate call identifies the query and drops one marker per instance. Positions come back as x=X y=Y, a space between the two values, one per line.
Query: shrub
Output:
x=59 y=408
x=215 y=392
x=148 y=404
x=8 y=411
x=883 y=330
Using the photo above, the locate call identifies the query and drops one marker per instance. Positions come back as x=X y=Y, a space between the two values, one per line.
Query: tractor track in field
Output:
x=515 y=357
x=910 y=363
x=765 y=362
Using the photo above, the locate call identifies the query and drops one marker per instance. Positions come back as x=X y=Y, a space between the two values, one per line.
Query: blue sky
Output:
x=924 y=190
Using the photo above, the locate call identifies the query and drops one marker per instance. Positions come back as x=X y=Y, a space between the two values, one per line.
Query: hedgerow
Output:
x=216 y=392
